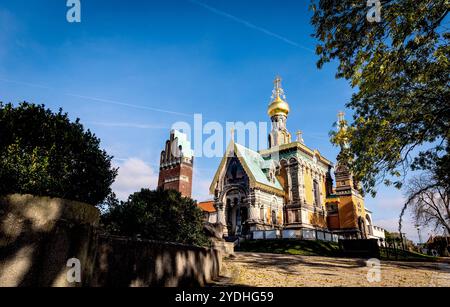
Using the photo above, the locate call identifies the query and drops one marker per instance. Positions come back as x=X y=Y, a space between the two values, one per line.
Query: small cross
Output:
x=341 y=116
x=277 y=82
x=232 y=133
x=300 y=136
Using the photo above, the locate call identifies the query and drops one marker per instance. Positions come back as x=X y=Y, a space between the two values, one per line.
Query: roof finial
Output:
x=341 y=116
x=342 y=127
x=232 y=133
x=278 y=91
x=341 y=123
x=278 y=105
x=300 y=137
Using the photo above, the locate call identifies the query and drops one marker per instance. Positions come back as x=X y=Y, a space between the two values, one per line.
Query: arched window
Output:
x=228 y=211
x=316 y=193
x=369 y=224
x=262 y=215
x=294 y=169
x=297 y=216
x=274 y=217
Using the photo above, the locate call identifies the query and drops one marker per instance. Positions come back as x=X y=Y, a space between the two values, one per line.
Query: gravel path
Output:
x=273 y=270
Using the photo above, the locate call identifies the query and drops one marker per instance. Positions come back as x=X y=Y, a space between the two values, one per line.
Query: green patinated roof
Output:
x=255 y=163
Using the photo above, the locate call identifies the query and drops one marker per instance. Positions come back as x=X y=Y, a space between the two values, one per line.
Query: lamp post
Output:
x=418 y=232
x=446 y=238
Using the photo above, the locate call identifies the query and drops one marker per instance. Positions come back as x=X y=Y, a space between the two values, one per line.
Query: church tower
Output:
x=278 y=111
x=344 y=178
x=351 y=204
x=176 y=164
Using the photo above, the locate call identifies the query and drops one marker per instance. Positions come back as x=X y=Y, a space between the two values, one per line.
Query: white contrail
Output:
x=128 y=125
x=119 y=103
x=249 y=24
x=102 y=100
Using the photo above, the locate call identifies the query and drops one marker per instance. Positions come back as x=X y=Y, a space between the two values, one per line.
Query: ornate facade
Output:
x=286 y=187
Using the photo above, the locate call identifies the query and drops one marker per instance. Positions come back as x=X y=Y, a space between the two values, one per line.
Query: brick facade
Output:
x=177 y=177
x=176 y=165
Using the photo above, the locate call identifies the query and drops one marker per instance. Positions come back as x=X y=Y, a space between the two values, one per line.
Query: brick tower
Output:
x=177 y=159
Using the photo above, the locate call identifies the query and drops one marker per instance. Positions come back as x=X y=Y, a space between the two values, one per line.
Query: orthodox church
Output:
x=286 y=189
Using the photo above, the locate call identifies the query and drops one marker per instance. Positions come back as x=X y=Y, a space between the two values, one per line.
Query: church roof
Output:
x=256 y=164
x=253 y=164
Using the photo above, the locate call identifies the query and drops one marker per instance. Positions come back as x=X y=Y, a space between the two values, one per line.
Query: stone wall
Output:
x=38 y=235
x=123 y=262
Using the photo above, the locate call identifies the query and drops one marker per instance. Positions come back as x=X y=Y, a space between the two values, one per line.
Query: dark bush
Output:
x=45 y=154
x=156 y=215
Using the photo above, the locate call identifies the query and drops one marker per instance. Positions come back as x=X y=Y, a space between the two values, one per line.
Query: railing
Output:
x=301 y=234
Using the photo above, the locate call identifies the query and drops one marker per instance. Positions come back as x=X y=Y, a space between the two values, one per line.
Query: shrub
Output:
x=45 y=154
x=156 y=215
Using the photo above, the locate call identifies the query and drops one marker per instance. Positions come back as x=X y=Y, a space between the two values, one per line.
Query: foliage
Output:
x=440 y=244
x=400 y=70
x=429 y=202
x=43 y=153
x=156 y=215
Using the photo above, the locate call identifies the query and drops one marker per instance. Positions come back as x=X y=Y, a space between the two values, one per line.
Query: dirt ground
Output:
x=273 y=270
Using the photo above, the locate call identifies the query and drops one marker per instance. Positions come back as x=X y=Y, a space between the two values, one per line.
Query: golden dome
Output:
x=278 y=106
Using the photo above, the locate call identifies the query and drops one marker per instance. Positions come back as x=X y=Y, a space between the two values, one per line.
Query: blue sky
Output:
x=129 y=71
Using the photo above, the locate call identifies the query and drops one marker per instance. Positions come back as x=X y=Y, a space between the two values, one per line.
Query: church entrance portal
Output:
x=236 y=215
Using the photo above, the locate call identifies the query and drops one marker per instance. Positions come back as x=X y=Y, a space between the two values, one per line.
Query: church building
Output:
x=286 y=189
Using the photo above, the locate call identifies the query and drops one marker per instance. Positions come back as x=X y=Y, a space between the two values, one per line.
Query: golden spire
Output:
x=341 y=124
x=278 y=106
x=342 y=128
x=341 y=116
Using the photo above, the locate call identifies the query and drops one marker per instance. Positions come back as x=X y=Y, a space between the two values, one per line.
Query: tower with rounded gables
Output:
x=176 y=164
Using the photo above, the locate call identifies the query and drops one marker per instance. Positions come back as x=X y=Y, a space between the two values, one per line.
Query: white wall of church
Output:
x=268 y=202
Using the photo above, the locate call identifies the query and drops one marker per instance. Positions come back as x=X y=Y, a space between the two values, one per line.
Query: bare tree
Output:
x=429 y=201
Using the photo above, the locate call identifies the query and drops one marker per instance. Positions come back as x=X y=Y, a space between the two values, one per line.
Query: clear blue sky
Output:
x=126 y=68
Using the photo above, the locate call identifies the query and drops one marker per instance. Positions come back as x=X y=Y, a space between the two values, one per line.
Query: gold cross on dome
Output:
x=341 y=116
x=278 y=91
x=277 y=82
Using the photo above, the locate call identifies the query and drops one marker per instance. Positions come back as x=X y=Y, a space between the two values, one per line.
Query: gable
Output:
x=252 y=163
x=235 y=173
